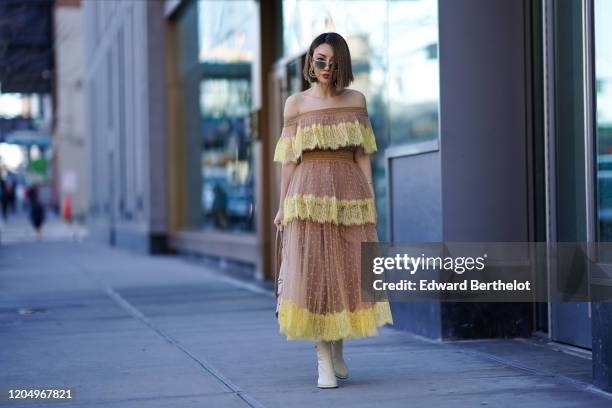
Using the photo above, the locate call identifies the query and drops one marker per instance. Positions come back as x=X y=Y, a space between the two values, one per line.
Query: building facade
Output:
x=126 y=128
x=492 y=121
x=69 y=139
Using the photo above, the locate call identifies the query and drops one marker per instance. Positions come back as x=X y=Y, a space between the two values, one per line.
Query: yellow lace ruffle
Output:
x=289 y=148
x=329 y=209
x=300 y=324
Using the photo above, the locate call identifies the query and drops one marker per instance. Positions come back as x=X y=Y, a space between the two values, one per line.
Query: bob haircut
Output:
x=343 y=75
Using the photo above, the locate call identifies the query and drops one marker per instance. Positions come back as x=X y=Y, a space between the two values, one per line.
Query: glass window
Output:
x=228 y=188
x=218 y=46
x=569 y=122
x=603 y=89
x=228 y=30
x=227 y=43
x=413 y=71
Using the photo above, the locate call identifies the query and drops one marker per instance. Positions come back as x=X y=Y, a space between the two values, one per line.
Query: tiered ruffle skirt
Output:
x=328 y=212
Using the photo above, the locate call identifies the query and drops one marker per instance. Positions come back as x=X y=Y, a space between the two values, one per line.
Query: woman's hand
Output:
x=278 y=220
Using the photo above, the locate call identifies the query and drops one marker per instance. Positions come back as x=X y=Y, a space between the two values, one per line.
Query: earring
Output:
x=311 y=72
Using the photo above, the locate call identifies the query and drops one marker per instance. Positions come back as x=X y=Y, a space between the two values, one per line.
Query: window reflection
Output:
x=603 y=87
x=569 y=121
x=413 y=71
x=227 y=35
x=227 y=30
x=228 y=193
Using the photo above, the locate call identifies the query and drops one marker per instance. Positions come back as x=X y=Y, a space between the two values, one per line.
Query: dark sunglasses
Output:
x=322 y=64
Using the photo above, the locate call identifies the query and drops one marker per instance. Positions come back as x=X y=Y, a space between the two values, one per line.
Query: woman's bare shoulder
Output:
x=292 y=106
x=357 y=98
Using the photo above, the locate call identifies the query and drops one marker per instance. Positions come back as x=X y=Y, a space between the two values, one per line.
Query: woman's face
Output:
x=324 y=72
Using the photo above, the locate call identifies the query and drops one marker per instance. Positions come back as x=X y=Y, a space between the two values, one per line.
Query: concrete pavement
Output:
x=18 y=228
x=128 y=330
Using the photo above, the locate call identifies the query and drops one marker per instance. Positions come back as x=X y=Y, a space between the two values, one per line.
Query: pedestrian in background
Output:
x=4 y=198
x=12 y=195
x=37 y=210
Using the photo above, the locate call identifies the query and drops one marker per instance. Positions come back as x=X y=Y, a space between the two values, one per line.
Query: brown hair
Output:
x=342 y=76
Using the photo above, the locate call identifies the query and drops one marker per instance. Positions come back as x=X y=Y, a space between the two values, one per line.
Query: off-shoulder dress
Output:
x=328 y=212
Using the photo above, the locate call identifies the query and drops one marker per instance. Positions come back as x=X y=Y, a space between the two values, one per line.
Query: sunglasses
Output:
x=322 y=64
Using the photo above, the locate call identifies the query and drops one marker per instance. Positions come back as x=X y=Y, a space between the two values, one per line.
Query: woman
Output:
x=326 y=210
x=37 y=211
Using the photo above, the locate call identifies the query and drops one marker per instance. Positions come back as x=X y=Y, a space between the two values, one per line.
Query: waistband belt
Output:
x=327 y=155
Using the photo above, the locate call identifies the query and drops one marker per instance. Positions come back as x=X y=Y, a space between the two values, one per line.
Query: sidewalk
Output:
x=127 y=330
x=17 y=228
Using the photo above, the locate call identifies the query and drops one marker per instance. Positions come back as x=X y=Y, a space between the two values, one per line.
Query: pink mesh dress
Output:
x=328 y=212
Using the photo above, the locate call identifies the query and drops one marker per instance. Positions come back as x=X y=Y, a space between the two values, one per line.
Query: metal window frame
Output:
x=589 y=130
x=550 y=131
x=549 y=146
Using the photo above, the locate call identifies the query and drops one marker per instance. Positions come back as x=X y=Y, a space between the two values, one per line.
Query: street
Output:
x=123 y=329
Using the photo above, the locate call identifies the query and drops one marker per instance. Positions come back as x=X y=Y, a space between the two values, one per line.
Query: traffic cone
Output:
x=67 y=208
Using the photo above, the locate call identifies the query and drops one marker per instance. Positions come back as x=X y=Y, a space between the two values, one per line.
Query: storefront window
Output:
x=218 y=44
x=603 y=88
x=413 y=71
x=228 y=30
x=228 y=191
x=394 y=51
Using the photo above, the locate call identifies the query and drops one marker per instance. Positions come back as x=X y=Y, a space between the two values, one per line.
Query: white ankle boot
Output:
x=327 y=378
x=340 y=368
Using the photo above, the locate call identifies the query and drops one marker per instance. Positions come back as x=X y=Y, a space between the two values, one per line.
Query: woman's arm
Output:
x=287 y=169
